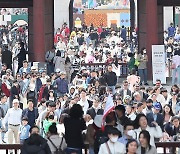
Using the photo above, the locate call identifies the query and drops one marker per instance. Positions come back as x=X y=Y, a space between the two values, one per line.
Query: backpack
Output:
x=58 y=149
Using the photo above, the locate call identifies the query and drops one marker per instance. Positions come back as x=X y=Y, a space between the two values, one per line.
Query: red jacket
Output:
x=5 y=90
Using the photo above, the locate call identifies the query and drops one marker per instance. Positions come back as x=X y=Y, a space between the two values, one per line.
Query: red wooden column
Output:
x=148 y=28
x=38 y=30
x=152 y=30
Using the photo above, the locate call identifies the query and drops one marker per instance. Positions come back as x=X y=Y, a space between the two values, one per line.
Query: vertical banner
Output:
x=158 y=63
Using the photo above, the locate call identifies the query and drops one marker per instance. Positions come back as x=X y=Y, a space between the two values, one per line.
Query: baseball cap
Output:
x=25 y=119
x=157 y=106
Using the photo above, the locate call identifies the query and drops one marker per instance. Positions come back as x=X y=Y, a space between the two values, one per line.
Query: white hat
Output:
x=33 y=68
x=98 y=120
x=15 y=101
x=58 y=70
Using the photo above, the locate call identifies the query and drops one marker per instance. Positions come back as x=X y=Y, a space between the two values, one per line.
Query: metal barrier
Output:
x=166 y=145
x=163 y=145
x=7 y=147
x=123 y=67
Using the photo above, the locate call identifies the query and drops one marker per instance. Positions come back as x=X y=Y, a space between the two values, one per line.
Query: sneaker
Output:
x=3 y=141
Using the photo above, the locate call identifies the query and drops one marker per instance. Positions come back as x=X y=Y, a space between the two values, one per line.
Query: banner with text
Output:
x=158 y=63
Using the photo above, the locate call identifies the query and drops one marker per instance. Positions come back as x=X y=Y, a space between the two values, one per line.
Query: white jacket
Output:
x=115 y=148
x=155 y=132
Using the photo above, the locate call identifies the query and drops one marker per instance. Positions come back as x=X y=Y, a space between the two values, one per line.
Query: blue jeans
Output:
x=174 y=72
x=4 y=131
x=143 y=75
x=73 y=150
x=91 y=150
x=50 y=68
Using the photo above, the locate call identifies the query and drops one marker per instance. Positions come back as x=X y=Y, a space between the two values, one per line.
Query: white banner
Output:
x=158 y=63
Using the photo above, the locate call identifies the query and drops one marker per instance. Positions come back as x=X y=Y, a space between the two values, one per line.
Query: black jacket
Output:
x=7 y=57
x=110 y=78
x=25 y=113
x=73 y=132
x=92 y=113
x=159 y=119
x=21 y=57
x=35 y=145
x=171 y=130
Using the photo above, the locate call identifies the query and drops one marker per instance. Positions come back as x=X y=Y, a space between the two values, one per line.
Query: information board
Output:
x=158 y=63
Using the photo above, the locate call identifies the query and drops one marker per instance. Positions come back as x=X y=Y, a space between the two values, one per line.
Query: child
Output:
x=24 y=130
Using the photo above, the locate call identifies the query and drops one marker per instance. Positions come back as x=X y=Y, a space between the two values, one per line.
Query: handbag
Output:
x=136 y=63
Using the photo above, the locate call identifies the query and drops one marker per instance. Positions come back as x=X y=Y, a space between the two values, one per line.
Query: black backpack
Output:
x=58 y=149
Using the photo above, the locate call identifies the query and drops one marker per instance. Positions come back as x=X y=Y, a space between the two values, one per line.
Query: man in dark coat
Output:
x=7 y=57
x=110 y=79
x=31 y=113
x=22 y=55
x=95 y=109
x=155 y=116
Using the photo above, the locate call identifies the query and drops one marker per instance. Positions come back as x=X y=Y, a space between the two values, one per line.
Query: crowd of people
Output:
x=61 y=110
x=13 y=11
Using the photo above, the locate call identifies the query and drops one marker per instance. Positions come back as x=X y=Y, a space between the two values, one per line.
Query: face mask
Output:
x=144 y=51
x=114 y=139
x=131 y=133
x=149 y=107
x=51 y=117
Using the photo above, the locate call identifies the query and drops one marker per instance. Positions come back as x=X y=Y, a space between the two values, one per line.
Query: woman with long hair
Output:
x=74 y=125
x=174 y=102
x=142 y=124
x=142 y=67
x=174 y=88
x=145 y=146
x=167 y=113
x=68 y=66
x=131 y=146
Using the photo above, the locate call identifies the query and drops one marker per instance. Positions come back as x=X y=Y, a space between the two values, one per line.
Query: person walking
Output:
x=22 y=55
x=176 y=67
x=142 y=67
x=111 y=79
x=49 y=57
x=13 y=117
x=7 y=57
x=54 y=140
x=73 y=135
x=59 y=62
x=30 y=112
